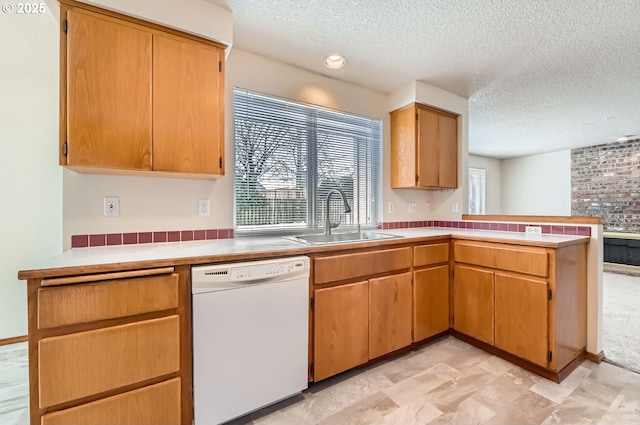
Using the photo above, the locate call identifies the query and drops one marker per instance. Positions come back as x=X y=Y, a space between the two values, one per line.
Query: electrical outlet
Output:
x=391 y=207
x=454 y=207
x=203 y=207
x=533 y=230
x=412 y=207
x=111 y=206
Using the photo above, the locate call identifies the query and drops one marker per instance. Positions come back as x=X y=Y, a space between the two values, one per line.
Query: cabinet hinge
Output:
x=549 y=356
x=220 y=163
x=417 y=178
x=219 y=66
x=65 y=26
x=311 y=368
x=416 y=116
x=312 y=302
x=549 y=295
x=65 y=148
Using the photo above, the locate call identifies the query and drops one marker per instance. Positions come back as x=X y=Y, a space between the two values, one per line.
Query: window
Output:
x=289 y=155
x=477 y=190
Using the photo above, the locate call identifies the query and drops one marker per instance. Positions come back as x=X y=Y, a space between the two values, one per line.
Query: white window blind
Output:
x=477 y=190
x=289 y=155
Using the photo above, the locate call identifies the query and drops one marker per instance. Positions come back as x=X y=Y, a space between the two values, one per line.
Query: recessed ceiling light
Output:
x=627 y=138
x=335 y=61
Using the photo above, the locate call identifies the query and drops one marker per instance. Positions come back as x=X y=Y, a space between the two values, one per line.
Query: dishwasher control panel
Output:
x=265 y=271
x=215 y=277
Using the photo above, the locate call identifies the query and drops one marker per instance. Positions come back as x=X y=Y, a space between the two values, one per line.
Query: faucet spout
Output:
x=328 y=225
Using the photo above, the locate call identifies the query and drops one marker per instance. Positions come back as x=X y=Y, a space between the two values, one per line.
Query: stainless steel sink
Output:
x=337 y=238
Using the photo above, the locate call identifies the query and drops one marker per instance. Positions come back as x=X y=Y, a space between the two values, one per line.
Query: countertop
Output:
x=129 y=257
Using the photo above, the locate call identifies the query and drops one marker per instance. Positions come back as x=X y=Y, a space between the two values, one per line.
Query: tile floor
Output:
x=451 y=382
x=447 y=382
x=14 y=384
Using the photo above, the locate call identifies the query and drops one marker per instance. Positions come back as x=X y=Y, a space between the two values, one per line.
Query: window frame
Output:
x=480 y=178
x=370 y=190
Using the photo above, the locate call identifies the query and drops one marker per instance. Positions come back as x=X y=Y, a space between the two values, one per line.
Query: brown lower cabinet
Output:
x=529 y=302
x=522 y=316
x=473 y=298
x=115 y=347
x=390 y=302
x=341 y=315
x=111 y=348
x=431 y=312
x=524 y=303
x=358 y=316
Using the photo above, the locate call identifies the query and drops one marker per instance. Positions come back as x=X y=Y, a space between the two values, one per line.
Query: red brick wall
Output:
x=605 y=182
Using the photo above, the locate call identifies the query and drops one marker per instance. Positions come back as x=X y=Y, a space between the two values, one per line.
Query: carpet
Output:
x=621 y=319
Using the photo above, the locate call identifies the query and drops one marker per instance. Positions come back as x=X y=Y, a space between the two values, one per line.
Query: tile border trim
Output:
x=572 y=230
x=136 y=238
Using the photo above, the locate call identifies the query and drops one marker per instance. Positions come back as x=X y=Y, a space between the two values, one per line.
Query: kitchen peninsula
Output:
x=97 y=316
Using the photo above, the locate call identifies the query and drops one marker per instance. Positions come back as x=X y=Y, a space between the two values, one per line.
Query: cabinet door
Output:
x=108 y=93
x=447 y=151
x=473 y=302
x=341 y=316
x=522 y=317
x=403 y=147
x=188 y=107
x=430 y=302
x=428 y=158
x=390 y=300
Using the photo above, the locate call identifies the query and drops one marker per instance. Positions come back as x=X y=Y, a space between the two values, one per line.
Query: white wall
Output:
x=441 y=201
x=493 y=181
x=31 y=188
x=537 y=184
x=155 y=203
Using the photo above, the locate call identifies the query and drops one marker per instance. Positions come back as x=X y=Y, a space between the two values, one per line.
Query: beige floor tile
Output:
x=496 y=365
x=468 y=359
x=579 y=408
x=446 y=382
x=620 y=418
x=529 y=408
x=500 y=393
x=472 y=412
x=559 y=392
x=365 y=412
x=406 y=391
x=418 y=412
x=448 y=396
x=519 y=376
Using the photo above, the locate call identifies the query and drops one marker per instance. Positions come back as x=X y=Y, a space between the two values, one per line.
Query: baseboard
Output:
x=13 y=340
x=596 y=358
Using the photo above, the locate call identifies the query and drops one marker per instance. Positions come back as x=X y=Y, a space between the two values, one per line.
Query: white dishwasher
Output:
x=250 y=335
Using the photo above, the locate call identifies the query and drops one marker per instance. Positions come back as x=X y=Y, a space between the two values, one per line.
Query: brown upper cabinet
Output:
x=424 y=148
x=138 y=98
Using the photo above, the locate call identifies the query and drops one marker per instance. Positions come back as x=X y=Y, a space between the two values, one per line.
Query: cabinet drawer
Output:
x=522 y=259
x=155 y=404
x=86 y=363
x=350 y=266
x=430 y=254
x=70 y=304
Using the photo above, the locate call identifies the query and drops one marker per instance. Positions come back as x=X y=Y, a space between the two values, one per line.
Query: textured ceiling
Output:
x=540 y=75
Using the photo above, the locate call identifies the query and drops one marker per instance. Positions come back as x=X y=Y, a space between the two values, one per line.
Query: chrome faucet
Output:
x=328 y=225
